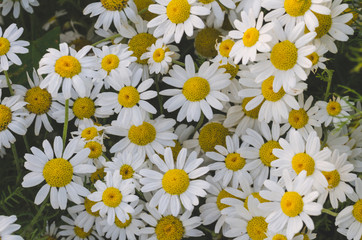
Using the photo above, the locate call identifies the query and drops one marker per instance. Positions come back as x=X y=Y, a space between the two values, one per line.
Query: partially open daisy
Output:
x=223 y=49
x=71 y=230
x=198 y=91
x=59 y=170
x=10 y=46
x=177 y=184
x=176 y=17
x=27 y=5
x=68 y=68
x=336 y=111
x=7 y=227
x=113 y=197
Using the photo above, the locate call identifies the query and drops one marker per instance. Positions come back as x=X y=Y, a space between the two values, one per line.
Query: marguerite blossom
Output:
x=27 y=5
x=7 y=227
x=336 y=111
x=72 y=231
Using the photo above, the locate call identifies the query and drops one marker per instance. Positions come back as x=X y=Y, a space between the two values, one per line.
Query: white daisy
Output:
x=72 y=231
x=27 y=5
x=177 y=184
x=176 y=17
x=317 y=57
x=89 y=130
x=7 y=227
x=199 y=90
x=223 y=49
x=51 y=231
x=335 y=111
x=339 y=140
x=59 y=173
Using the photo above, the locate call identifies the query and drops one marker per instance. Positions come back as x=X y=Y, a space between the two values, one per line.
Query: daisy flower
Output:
x=299 y=154
x=176 y=17
x=69 y=68
x=113 y=197
x=117 y=12
x=292 y=206
x=317 y=57
x=199 y=90
x=218 y=9
x=7 y=227
x=223 y=49
x=10 y=46
x=254 y=37
x=59 y=173
x=350 y=218
x=288 y=57
x=53 y=19
x=167 y=226
x=51 y=231
x=177 y=184
x=131 y=100
x=27 y=5
x=335 y=111
x=339 y=140
x=337 y=180
x=160 y=56
x=88 y=130
x=72 y=231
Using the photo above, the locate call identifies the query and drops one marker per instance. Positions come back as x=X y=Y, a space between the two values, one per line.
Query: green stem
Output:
x=178 y=63
x=159 y=97
x=17 y=162
x=329 y=78
x=106 y=39
x=143 y=11
x=8 y=82
x=199 y=124
x=107 y=159
x=37 y=216
x=329 y=212
x=26 y=143
x=65 y=128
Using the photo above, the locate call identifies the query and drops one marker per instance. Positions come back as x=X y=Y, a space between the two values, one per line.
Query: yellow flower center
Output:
x=292 y=204
x=255 y=195
x=110 y=62
x=297 y=8
x=158 y=55
x=126 y=171
x=314 y=58
x=212 y=134
x=333 y=178
x=266 y=152
x=251 y=36
x=231 y=69
x=333 y=108
x=112 y=197
x=139 y=44
x=279 y=237
x=178 y=11
x=128 y=96
x=80 y=232
x=114 y=5
x=225 y=47
x=95 y=147
x=302 y=161
x=83 y=108
x=205 y=42
x=67 y=66
x=254 y=113
x=298 y=118
x=142 y=134
x=223 y=194
x=234 y=161
x=143 y=4
x=284 y=55
x=175 y=181
x=89 y=133
x=58 y=172
x=357 y=210
x=4 y=46
x=169 y=228
x=39 y=100
x=176 y=149
x=5 y=117
x=99 y=174
x=325 y=24
x=206 y=1
x=354 y=18
x=268 y=92
x=88 y=204
x=195 y=89
x=257 y=228
x=123 y=224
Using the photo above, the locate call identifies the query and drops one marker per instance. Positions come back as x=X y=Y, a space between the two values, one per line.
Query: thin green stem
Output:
x=26 y=143
x=178 y=63
x=37 y=216
x=329 y=212
x=17 y=161
x=106 y=39
x=8 y=83
x=107 y=159
x=159 y=97
x=65 y=128
x=329 y=79
x=199 y=124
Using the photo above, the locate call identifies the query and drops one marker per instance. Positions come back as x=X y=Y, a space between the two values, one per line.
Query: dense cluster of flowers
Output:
x=266 y=158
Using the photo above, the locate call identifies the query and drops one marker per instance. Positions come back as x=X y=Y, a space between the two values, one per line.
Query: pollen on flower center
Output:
x=298 y=118
x=126 y=171
x=325 y=24
x=251 y=36
x=284 y=55
x=80 y=232
x=302 y=161
x=95 y=147
x=223 y=194
x=88 y=204
x=297 y=8
x=268 y=92
x=279 y=237
x=158 y=55
x=225 y=47
x=206 y=1
x=123 y=224
x=314 y=58
x=334 y=108
x=254 y=113
x=112 y=197
x=110 y=62
x=212 y=134
x=357 y=210
x=58 y=172
x=257 y=228
x=4 y=46
x=169 y=228
x=292 y=204
x=143 y=134
x=234 y=161
x=5 y=117
x=83 y=108
x=255 y=195
x=39 y=100
x=333 y=178
x=195 y=89
x=178 y=11
x=114 y=5
x=175 y=181
x=139 y=43
x=205 y=41
x=89 y=133
x=67 y=66
x=266 y=152
x=128 y=96
x=231 y=69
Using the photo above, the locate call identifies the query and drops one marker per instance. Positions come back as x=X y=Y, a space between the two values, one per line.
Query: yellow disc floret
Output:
x=39 y=100
x=128 y=96
x=99 y=174
x=212 y=134
x=284 y=55
x=178 y=11
x=67 y=66
x=302 y=161
x=112 y=197
x=333 y=178
x=175 y=181
x=139 y=43
x=5 y=117
x=251 y=36
x=234 y=161
x=114 y=5
x=325 y=24
x=89 y=133
x=313 y=57
x=334 y=108
x=357 y=210
x=143 y=4
x=205 y=42
x=4 y=46
x=126 y=171
x=88 y=204
x=268 y=92
x=110 y=62
x=225 y=47
x=195 y=89
x=254 y=113
x=80 y=232
x=123 y=224
x=143 y=134
x=83 y=108
x=223 y=194
x=231 y=69
x=58 y=172
x=298 y=118
x=257 y=228
x=206 y=1
x=292 y=204
x=95 y=147
x=159 y=55
x=297 y=8
x=266 y=152
x=169 y=228
x=279 y=237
